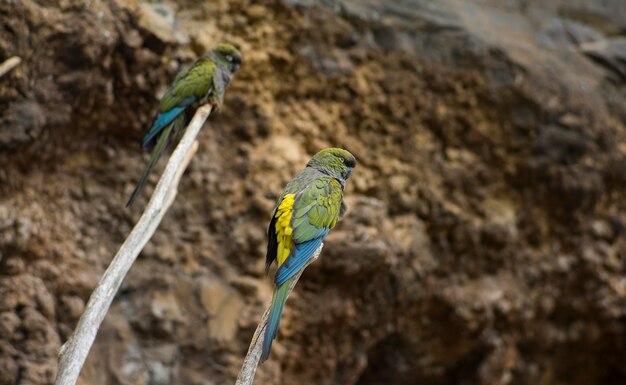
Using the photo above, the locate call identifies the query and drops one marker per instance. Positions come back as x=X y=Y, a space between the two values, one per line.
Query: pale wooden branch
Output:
x=9 y=64
x=251 y=362
x=74 y=352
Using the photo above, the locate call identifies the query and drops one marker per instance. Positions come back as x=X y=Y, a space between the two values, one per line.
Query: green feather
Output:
x=195 y=82
x=316 y=207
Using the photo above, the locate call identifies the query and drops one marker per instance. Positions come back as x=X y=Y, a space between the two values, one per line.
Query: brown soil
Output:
x=484 y=242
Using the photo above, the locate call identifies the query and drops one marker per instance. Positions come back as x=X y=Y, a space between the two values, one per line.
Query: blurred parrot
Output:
x=308 y=208
x=205 y=81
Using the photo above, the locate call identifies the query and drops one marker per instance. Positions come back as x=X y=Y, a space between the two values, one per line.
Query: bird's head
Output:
x=335 y=162
x=228 y=55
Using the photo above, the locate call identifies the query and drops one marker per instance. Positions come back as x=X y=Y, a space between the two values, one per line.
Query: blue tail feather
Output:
x=276 y=312
x=162 y=120
x=300 y=255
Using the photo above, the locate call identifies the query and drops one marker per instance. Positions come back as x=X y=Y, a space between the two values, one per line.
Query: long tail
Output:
x=156 y=153
x=278 y=304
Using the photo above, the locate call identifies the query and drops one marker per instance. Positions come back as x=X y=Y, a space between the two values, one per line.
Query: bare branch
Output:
x=75 y=350
x=9 y=64
x=251 y=362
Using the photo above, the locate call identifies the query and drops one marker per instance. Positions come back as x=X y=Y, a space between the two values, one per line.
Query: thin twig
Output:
x=9 y=64
x=251 y=362
x=75 y=350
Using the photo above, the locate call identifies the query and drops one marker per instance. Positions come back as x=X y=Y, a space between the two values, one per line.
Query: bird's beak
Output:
x=349 y=172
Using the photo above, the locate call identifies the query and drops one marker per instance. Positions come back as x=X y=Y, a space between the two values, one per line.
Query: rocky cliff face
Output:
x=484 y=242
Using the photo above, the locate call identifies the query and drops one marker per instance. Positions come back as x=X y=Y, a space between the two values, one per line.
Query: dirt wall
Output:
x=484 y=242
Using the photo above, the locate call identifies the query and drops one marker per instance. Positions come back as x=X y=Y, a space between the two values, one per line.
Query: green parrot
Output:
x=205 y=81
x=307 y=209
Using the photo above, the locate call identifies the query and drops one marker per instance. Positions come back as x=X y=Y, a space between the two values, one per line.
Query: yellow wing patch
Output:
x=283 y=228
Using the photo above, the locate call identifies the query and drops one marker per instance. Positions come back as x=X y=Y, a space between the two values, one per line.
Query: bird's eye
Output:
x=342 y=160
x=229 y=58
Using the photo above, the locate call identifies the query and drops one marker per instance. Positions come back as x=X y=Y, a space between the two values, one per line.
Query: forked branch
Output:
x=74 y=352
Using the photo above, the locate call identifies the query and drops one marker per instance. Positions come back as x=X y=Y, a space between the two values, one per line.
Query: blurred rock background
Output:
x=484 y=242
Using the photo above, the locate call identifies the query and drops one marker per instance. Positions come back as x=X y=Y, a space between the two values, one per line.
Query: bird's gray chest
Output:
x=221 y=79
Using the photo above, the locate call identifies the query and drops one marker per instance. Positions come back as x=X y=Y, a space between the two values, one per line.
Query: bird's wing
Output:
x=301 y=222
x=272 y=243
x=190 y=86
x=193 y=83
